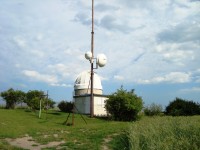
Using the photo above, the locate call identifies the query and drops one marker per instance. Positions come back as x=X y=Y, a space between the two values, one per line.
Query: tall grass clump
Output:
x=166 y=133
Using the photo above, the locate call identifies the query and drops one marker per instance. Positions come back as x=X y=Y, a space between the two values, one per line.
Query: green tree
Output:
x=181 y=107
x=124 y=105
x=21 y=96
x=49 y=103
x=153 y=110
x=12 y=97
x=65 y=106
x=33 y=99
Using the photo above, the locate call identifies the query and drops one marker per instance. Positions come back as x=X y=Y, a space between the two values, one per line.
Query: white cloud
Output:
x=190 y=90
x=117 y=77
x=61 y=85
x=178 y=57
x=103 y=78
x=145 y=41
x=173 y=77
x=17 y=65
x=196 y=75
x=36 y=76
x=39 y=37
x=37 y=53
x=60 y=69
x=20 y=41
x=198 y=80
x=112 y=23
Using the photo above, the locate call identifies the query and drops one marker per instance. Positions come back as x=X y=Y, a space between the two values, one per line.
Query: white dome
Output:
x=83 y=81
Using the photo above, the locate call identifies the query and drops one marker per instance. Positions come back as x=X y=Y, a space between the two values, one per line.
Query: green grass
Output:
x=150 y=133
x=166 y=133
x=18 y=123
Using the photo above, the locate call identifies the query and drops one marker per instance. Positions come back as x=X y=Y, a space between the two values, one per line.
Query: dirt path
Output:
x=106 y=141
x=27 y=142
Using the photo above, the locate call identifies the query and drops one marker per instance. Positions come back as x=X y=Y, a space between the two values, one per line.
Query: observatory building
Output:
x=82 y=94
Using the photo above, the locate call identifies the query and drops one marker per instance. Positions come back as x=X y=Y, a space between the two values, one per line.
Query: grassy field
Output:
x=152 y=133
x=93 y=135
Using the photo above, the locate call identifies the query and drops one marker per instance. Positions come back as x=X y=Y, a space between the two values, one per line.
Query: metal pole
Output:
x=47 y=103
x=92 y=72
x=73 y=118
x=40 y=108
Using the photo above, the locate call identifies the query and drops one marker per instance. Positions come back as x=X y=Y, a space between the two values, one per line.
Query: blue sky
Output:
x=151 y=46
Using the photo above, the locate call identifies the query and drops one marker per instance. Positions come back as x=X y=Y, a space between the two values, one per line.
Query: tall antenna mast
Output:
x=92 y=71
x=101 y=61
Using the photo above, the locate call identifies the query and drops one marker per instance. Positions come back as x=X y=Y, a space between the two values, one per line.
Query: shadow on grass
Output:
x=55 y=113
x=28 y=110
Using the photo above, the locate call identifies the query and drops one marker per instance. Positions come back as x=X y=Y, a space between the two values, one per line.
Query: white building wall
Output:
x=99 y=106
x=83 y=105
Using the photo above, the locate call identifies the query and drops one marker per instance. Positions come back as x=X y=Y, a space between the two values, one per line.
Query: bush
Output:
x=153 y=110
x=65 y=106
x=124 y=105
x=180 y=107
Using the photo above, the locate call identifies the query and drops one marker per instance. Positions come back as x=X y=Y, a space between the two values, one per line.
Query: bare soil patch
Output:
x=28 y=142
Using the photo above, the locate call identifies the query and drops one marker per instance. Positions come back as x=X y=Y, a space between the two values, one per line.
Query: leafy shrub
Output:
x=153 y=110
x=65 y=106
x=180 y=107
x=124 y=105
